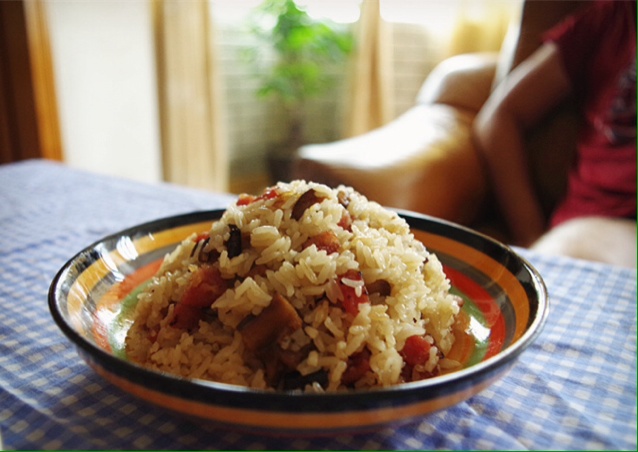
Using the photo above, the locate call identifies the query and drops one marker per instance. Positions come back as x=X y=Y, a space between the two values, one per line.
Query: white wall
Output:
x=104 y=65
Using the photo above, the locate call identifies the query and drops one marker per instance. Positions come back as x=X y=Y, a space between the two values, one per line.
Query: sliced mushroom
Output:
x=276 y=321
x=380 y=286
x=306 y=200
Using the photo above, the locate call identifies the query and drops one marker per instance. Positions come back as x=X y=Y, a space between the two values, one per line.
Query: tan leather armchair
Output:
x=425 y=160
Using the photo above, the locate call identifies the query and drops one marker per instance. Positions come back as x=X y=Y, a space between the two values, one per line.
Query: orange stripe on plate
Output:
x=168 y=237
x=293 y=421
x=109 y=262
x=490 y=267
x=108 y=307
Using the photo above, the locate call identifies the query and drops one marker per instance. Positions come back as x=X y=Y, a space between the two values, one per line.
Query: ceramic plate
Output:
x=93 y=295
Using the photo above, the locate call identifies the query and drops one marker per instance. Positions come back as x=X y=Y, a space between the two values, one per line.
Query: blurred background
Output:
x=216 y=94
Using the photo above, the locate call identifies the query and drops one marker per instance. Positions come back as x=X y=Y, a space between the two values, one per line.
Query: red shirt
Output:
x=598 y=50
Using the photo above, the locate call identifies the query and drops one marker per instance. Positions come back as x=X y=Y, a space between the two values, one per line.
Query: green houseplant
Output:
x=305 y=49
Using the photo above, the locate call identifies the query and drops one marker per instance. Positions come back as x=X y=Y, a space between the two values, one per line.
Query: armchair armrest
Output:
x=423 y=161
x=462 y=81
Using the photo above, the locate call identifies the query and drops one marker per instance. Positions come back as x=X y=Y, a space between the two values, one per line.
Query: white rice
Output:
x=276 y=258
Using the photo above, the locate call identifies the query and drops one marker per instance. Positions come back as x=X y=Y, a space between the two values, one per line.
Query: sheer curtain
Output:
x=193 y=125
x=480 y=25
x=370 y=103
x=456 y=27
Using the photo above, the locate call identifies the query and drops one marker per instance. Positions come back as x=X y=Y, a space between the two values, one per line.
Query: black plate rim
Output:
x=221 y=394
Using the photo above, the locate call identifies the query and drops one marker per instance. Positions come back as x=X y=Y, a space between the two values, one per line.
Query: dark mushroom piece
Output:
x=380 y=286
x=277 y=320
x=306 y=200
x=261 y=334
x=234 y=242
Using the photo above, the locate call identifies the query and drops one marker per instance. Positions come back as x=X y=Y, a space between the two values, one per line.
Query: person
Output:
x=591 y=55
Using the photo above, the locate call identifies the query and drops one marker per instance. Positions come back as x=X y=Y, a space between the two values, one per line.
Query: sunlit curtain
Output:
x=480 y=25
x=370 y=101
x=455 y=26
x=193 y=126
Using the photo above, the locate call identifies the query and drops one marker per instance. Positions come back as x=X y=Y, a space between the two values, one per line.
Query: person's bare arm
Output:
x=530 y=91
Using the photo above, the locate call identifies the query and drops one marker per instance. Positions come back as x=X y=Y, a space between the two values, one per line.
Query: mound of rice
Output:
x=301 y=288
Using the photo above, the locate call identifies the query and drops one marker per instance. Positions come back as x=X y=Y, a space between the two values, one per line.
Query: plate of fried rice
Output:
x=302 y=309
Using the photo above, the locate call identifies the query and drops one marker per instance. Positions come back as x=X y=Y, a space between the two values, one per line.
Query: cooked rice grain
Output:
x=264 y=255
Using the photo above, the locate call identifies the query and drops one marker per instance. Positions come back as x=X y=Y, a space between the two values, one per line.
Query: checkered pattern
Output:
x=574 y=388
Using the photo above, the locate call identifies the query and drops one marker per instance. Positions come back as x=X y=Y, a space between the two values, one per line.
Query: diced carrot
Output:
x=416 y=350
x=245 y=199
x=326 y=241
x=346 y=221
x=352 y=300
x=205 y=287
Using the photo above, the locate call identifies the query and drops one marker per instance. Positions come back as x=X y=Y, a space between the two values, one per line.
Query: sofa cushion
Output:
x=423 y=161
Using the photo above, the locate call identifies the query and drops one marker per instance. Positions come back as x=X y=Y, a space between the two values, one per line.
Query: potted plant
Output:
x=304 y=48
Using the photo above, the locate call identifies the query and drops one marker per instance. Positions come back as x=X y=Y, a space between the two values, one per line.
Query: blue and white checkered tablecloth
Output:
x=574 y=388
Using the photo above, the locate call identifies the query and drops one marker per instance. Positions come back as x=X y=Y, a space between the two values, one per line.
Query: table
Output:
x=574 y=388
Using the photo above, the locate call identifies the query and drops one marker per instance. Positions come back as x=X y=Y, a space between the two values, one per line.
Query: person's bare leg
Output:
x=610 y=240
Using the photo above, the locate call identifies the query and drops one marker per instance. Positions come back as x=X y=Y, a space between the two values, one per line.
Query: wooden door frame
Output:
x=29 y=123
